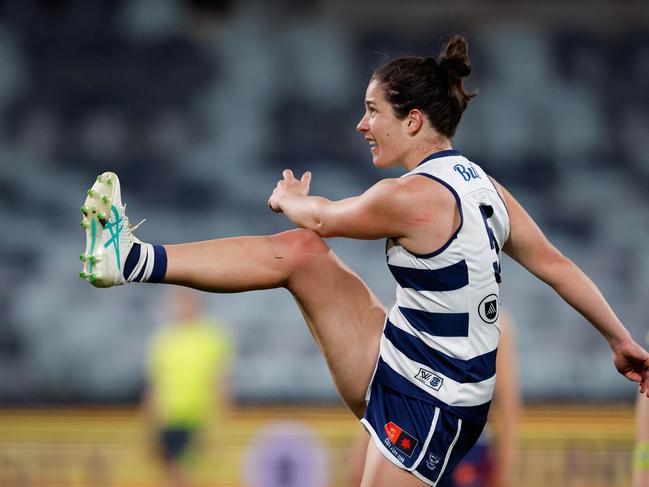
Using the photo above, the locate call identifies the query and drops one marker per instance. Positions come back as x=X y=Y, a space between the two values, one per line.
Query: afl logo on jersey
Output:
x=489 y=309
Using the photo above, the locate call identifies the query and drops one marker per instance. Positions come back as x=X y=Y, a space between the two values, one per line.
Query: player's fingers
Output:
x=634 y=376
x=642 y=378
x=306 y=178
x=272 y=205
x=272 y=197
x=288 y=174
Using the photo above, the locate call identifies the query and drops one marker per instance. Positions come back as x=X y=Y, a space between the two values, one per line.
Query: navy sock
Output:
x=148 y=261
x=159 y=264
x=131 y=260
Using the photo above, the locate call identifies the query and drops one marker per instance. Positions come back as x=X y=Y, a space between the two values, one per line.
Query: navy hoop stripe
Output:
x=449 y=278
x=473 y=370
x=438 y=324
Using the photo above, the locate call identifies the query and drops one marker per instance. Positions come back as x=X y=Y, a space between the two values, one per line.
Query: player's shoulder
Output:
x=428 y=188
x=410 y=195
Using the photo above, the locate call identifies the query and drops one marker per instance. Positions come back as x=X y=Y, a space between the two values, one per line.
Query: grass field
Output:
x=560 y=446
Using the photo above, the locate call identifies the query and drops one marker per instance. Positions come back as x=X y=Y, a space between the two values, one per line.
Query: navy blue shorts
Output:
x=416 y=435
x=174 y=442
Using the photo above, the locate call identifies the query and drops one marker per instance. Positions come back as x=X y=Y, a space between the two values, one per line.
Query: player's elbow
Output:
x=557 y=268
x=322 y=222
x=322 y=229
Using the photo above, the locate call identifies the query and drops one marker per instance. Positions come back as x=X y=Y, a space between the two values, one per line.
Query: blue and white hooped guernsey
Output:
x=441 y=336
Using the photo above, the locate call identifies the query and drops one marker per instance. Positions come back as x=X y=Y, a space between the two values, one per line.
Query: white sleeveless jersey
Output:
x=441 y=336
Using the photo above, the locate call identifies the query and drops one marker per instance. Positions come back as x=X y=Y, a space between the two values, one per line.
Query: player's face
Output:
x=382 y=129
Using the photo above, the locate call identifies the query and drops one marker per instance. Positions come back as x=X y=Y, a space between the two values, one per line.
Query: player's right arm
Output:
x=403 y=208
x=529 y=247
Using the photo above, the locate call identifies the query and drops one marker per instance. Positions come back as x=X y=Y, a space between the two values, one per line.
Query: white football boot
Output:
x=109 y=235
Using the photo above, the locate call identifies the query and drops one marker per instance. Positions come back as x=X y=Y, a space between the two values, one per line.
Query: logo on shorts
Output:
x=432 y=461
x=430 y=379
x=402 y=440
x=488 y=309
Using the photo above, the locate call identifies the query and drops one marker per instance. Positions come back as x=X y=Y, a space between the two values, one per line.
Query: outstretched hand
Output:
x=632 y=361
x=289 y=186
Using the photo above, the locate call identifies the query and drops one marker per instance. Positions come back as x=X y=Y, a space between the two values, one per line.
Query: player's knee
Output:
x=303 y=246
x=306 y=243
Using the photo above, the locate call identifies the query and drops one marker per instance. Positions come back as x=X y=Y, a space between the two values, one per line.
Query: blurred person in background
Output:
x=188 y=367
x=491 y=461
x=420 y=377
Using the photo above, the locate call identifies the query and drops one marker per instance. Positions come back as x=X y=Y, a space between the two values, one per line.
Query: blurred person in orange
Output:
x=491 y=462
x=188 y=365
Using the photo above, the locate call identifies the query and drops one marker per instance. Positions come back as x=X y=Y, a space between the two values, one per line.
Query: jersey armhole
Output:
x=458 y=202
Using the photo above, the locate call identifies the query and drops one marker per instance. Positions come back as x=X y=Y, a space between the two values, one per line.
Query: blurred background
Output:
x=198 y=106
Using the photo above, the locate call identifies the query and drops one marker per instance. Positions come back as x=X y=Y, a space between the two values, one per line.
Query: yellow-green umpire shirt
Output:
x=186 y=363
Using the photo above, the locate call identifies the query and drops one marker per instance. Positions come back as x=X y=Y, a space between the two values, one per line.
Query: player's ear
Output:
x=414 y=121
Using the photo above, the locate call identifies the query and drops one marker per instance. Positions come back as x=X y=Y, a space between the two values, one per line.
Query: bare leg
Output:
x=356 y=457
x=344 y=316
x=380 y=472
x=175 y=476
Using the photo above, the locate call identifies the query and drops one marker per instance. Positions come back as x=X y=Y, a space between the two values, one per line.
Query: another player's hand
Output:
x=632 y=361
x=289 y=186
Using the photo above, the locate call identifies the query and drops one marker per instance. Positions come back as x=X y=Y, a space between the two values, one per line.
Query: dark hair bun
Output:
x=454 y=58
x=433 y=85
